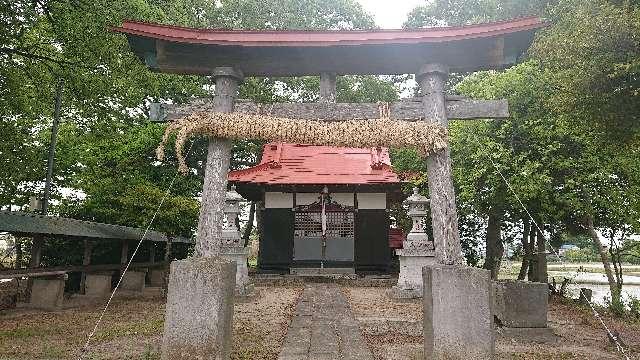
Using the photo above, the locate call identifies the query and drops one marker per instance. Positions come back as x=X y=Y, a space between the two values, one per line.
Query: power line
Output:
x=548 y=241
x=85 y=348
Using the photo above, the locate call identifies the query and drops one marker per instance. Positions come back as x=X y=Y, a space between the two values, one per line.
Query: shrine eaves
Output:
x=182 y=50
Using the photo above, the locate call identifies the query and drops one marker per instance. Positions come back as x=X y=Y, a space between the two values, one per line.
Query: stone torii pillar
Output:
x=214 y=189
x=328 y=87
x=199 y=311
x=457 y=303
x=444 y=217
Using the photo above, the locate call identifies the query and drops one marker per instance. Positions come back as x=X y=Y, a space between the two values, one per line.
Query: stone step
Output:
x=333 y=273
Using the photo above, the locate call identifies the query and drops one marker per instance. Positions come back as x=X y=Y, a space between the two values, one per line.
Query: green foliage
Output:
x=106 y=146
x=581 y=255
x=593 y=50
x=633 y=304
x=462 y=12
x=267 y=14
x=570 y=148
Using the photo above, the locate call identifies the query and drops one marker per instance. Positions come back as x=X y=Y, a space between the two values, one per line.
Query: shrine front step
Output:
x=333 y=273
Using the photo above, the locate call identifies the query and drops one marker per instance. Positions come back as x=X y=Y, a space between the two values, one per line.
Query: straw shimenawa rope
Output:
x=426 y=137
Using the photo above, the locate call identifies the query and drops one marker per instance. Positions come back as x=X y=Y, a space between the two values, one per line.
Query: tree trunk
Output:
x=249 y=227
x=19 y=256
x=615 y=291
x=542 y=259
x=616 y=259
x=495 y=248
x=36 y=251
x=532 y=274
x=526 y=251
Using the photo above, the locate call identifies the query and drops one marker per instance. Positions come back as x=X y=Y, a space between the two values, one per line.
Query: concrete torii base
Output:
x=520 y=309
x=458 y=315
x=521 y=304
x=199 y=311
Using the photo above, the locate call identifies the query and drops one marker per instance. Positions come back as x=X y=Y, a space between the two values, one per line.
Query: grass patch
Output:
x=150 y=327
x=150 y=354
x=28 y=332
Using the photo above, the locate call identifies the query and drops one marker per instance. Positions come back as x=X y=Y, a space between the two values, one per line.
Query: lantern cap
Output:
x=416 y=198
x=233 y=196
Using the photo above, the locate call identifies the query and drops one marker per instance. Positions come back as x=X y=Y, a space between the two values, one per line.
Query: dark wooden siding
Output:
x=276 y=242
x=372 y=252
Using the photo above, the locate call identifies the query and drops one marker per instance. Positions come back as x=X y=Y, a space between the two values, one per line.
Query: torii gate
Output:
x=431 y=54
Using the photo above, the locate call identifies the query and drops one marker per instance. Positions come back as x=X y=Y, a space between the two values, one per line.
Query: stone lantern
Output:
x=233 y=248
x=230 y=233
x=417 y=250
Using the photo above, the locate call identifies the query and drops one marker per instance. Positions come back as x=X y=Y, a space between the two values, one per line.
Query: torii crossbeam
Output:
x=430 y=54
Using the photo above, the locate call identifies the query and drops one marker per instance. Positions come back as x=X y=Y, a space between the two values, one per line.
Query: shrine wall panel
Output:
x=372 y=201
x=372 y=252
x=278 y=200
x=276 y=241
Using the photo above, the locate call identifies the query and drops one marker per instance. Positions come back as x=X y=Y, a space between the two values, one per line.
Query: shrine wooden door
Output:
x=323 y=237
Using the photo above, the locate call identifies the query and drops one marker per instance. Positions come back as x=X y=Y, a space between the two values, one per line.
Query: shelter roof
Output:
x=28 y=223
x=185 y=50
x=296 y=164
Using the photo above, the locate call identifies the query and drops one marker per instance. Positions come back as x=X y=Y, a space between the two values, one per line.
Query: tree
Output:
x=106 y=146
x=464 y=12
x=570 y=148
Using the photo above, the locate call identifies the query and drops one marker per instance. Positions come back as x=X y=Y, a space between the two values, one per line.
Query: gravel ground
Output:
x=393 y=330
x=132 y=329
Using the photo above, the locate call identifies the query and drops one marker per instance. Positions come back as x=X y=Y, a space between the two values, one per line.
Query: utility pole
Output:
x=38 y=240
x=52 y=146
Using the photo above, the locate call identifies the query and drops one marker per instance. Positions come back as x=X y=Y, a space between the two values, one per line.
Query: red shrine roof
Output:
x=295 y=164
x=175 y=49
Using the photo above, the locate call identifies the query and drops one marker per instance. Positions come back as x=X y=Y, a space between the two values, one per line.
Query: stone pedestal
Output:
x=239 y=255
x=199 y=311
x=520 y=304
x=417 y=251
x=412 y=260
x=458 y=316
x=98 y=284
x=47 y=293
x=156 y=277
x=133 y=281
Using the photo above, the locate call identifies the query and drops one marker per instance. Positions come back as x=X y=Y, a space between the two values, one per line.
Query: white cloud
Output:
x=390 y=14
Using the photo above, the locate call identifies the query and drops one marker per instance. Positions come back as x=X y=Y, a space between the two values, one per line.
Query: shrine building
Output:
x=324 y=207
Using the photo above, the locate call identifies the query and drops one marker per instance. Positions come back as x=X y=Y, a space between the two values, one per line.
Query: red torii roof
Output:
x=321 y=38
x=295 y=164
x=183 y=50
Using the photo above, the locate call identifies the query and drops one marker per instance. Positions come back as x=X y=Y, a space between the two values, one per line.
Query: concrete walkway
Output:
x=323 y=328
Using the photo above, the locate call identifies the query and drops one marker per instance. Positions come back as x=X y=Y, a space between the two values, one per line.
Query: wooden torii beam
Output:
x=410 y=110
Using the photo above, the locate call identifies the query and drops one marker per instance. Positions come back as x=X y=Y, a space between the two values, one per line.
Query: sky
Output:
x=390 y=14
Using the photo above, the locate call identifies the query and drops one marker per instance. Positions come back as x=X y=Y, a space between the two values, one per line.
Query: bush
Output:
x=633 y=303
x=581 y=255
